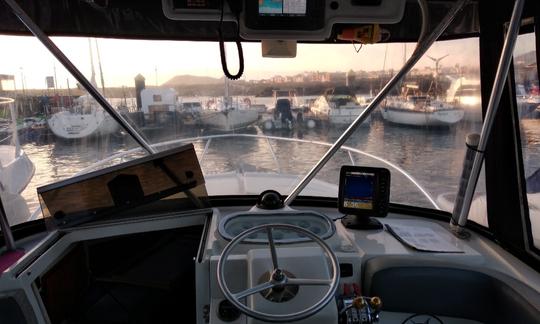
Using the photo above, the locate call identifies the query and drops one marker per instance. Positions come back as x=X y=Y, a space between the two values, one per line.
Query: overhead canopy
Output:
x=145 y=20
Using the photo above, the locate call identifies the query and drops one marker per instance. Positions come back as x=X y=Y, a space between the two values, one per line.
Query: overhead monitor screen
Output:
x=282 y=7
x=358 y=191
x=195 y=4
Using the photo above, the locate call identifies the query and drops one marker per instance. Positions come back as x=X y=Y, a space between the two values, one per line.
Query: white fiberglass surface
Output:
x=175 y=93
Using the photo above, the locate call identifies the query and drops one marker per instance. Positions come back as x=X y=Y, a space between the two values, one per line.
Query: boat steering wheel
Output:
x=278 y=276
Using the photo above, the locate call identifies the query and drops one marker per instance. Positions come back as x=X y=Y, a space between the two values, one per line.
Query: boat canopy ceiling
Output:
x=146 y=20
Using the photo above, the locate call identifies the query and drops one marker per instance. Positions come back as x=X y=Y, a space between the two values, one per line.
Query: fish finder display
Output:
x=282 y=7
x=358 y=190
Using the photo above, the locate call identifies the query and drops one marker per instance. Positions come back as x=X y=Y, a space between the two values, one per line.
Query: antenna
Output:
x=436 y=77
x=437 y=61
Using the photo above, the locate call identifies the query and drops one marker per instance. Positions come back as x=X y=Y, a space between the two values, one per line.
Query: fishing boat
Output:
x=337 y=106
x=208 y=229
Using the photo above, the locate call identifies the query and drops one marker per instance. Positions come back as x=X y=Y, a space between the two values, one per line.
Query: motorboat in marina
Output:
x=288 y=112
x=421 y=111
x=190 y=112
x=249 y=228
x=84 y=119
x=527 y=103
x=338 y=106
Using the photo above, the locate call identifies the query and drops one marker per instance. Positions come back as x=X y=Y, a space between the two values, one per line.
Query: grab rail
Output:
x=209 y=138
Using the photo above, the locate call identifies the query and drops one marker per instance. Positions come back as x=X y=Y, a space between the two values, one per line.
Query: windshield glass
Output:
x=264 y=131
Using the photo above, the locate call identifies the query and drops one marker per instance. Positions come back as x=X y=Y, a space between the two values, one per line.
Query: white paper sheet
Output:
x=423 y=239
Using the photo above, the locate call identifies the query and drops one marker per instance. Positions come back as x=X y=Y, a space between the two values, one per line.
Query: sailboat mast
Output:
x=93 y=75
x=100 y=68
x=226 y=97
x=383 y=68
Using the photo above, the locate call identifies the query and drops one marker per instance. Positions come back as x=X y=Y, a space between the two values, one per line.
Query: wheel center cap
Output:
x=278 y=275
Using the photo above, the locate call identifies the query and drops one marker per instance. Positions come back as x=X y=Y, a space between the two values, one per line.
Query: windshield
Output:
x=264 y=131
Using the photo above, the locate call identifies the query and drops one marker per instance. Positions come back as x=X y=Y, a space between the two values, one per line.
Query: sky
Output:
x=27 y=59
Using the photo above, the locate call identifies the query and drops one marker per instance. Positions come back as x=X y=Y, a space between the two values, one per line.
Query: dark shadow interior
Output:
x=139 y=278
x=448 y=291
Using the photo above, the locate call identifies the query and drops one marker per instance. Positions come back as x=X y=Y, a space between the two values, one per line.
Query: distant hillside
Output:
x=183 y=80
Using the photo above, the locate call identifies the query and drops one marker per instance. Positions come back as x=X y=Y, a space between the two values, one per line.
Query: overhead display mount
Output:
x=289 y=19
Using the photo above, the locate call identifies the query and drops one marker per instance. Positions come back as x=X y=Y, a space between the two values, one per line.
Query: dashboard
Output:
x=474 y=282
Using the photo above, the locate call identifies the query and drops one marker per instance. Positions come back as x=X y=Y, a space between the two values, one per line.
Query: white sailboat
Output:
x=227 y=115
x=85 y=119
x=415 y=109
x=421 y=111
x=16 y=171
x=338 y=106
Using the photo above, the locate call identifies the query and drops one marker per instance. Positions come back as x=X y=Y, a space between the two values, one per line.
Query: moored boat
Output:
x=228 y=118
x=421 y=111
x=227 y=114
x=85 y=119
x=338 y=106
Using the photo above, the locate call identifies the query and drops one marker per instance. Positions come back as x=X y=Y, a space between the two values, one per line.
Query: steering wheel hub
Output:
x=279 y=293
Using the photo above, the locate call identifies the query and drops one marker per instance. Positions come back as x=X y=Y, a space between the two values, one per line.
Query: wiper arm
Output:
x=93 y=91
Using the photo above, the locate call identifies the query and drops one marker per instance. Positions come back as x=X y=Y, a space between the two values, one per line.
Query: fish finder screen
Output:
x=282 y=7
x=358 y=190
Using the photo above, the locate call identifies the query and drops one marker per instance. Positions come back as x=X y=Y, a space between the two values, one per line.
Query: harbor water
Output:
x=432 y=156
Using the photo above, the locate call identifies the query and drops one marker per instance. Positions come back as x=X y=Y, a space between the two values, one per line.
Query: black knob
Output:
x=270 y=199
x=227 y=312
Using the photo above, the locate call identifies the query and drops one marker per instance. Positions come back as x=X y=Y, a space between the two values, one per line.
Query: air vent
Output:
x=366 y=3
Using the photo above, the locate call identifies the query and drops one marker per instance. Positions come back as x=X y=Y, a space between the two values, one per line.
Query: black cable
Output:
x=418 y=314
x=238 y=46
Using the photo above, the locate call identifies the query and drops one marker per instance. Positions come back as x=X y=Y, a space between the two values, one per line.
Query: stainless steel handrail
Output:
x=209 y=139
x=459 y=220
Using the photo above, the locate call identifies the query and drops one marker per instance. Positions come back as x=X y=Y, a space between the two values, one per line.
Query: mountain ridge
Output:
x=188 y=79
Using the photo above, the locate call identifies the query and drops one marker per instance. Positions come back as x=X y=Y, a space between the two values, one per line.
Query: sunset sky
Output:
x=123 y=59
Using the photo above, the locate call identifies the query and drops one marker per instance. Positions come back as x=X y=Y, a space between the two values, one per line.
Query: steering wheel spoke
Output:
x=272 y=247
x=254 y=290
x=309 y=282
